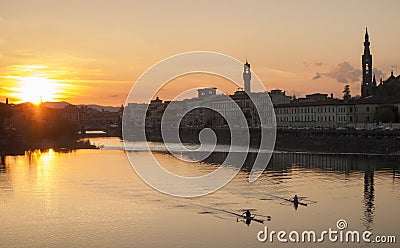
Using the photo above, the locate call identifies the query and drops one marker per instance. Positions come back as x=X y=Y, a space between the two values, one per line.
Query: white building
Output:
x=331 y=113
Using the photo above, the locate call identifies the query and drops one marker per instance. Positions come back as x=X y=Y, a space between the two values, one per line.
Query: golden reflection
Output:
x=46 y=170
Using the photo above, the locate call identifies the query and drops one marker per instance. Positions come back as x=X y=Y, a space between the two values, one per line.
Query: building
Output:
x=388 y=89
x=330 y=113
x=206 y=92
x=279 y=97
x=246 y=76
x=274 y=108
x=136 y=113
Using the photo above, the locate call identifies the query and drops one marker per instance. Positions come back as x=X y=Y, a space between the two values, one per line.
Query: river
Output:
x=93 y=198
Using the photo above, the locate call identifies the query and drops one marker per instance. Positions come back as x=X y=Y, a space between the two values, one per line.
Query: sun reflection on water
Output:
x=45 y=186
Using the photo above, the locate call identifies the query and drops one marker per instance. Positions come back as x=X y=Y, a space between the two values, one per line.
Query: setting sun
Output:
x=36 y=89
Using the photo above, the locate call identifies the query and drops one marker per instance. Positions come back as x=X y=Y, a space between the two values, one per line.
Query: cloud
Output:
x=343 y=73
x=317 y=75
x=379 y=74
x=115 y=96
x=313 y=63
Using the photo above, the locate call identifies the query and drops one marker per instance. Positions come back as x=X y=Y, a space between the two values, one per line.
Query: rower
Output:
x=248 y=217
x=248 y=214
x=296 y=199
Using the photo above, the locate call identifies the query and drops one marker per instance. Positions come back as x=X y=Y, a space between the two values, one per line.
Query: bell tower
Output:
x=367 y=86
x=246 y=76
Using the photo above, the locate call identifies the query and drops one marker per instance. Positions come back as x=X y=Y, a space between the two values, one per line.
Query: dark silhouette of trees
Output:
x=387 y=113
x=346 y=92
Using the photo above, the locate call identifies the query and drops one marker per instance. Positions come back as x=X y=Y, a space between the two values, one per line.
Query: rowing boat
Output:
x=288 y=200
x=251 y=218
x=292 y=201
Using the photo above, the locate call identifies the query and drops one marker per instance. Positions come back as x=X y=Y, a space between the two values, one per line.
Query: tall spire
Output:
x=367 y=80
x=366 y=41
x=246 y=76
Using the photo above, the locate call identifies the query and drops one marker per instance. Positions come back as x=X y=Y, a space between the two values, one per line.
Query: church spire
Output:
x=366 y=60
x=366 y=42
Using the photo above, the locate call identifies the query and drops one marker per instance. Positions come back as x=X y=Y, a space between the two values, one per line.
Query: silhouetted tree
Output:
x=387 y=113
x=346 y=92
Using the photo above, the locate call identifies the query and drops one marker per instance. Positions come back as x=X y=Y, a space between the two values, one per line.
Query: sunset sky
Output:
x=93 y=51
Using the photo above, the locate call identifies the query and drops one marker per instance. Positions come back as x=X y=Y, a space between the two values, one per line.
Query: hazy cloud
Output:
x=379 y=74
x=313 y=63
x=394 y=67
x=317 y=75
x=115 y=96
x=343 y=73
x=346 y=73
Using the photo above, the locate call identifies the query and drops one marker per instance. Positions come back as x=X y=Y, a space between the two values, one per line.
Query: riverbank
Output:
x=47 y=144
x=18 y=147
x=337 y=143
x=320 y=141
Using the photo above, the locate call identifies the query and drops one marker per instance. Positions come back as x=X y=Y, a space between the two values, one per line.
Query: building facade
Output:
x=331 y=113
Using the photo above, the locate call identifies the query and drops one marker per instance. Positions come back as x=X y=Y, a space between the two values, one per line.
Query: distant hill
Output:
x=100 y=108
x=56 y=104
x=60 y=105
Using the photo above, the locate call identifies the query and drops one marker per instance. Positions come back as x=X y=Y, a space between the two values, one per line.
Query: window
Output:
x=351 y=109
x=367 y=111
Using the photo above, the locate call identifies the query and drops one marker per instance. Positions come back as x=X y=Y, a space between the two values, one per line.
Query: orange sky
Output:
x=93 y=51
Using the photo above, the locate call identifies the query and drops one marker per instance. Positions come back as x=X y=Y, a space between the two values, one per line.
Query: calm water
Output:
x=93 y=198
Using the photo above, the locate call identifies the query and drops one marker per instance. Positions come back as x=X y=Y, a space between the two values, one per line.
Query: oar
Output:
x=289 y=200
x=292 y=201
x=244 y=217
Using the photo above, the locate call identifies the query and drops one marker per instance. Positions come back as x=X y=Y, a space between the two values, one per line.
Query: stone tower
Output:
x=246 y=76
